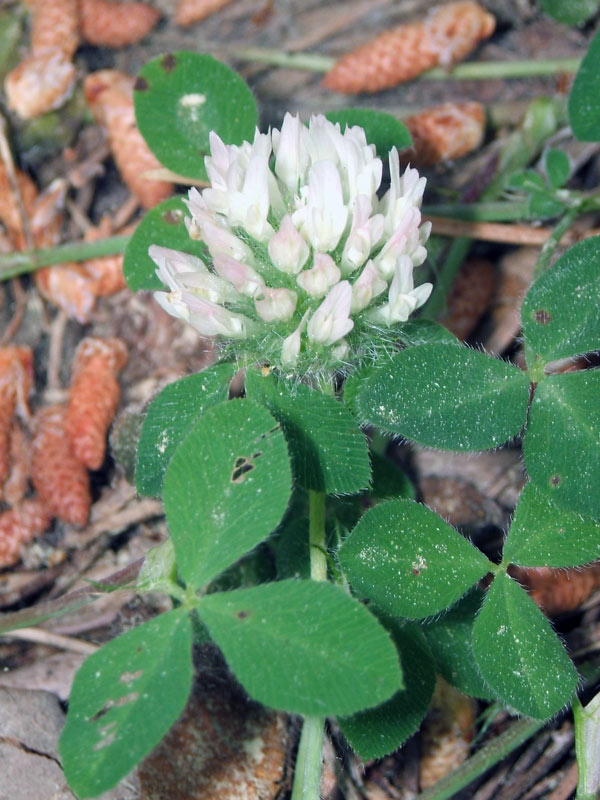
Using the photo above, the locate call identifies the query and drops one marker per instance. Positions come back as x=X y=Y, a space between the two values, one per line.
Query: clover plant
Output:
x=308 y=278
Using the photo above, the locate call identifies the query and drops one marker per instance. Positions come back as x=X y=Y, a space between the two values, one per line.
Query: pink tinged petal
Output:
x=172 y=264
x=399 y=242
x=173 y=304
x=210 y=319
x=221 y=241
x=403 y=297
x=278 y=305
x=319 y=279
x=365 y=234
x=326 y=213
x=331 y=321
x=287 y=248
x=243 y=278
x=366 y=287
x=290 y=350
x=209 y=287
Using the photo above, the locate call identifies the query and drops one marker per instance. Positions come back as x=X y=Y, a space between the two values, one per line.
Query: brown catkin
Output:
x=45 y=79
x=445 y=132
x=94 y=397
x=557 y=591
x=70 y=287
x=15 y=486
x=16 y=375
x=20 y=524
x=60 y=479
x=469 y=297
x=191 y=11
x=109 y=94
x=55 y=25
x=110 y=24
x=445 y=37
x=9 y=207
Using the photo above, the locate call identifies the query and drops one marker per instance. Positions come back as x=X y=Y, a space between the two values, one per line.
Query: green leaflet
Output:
x=304 y=646
x=519 y=655
x=560 y=312
x=561 y=449
x=408 y=561
x=378 y=731
x=446 y=396
x=180 y=98
x=543 y=534
x=170 y=417
x=328 y=450
x=226 y=488
x=124 y=699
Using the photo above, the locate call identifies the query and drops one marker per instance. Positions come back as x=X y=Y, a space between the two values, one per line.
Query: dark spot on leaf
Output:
x=243 y=614
x=104 y=710
x=240 y=468
x=416 y=571
x=173 y=216
x=169 y=62
x=141 y=85
x=555 y=480
x=542 y=316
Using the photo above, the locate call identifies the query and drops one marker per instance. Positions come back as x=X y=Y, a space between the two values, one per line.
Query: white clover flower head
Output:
x=305 y=265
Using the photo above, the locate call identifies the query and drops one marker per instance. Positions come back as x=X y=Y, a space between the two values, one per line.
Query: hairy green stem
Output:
x=307 y=774
x=550 y=245
x=13 y=264
x=587 y=739
x=316 y=534
x=314 y=62
x=518 y=733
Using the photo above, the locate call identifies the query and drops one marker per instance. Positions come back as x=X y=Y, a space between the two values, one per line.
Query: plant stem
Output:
x=314 y=62
x=587 y=736
x=547 y=251
x=484 y=759
x=316 y=535
x=12 y=264
x=307 y=774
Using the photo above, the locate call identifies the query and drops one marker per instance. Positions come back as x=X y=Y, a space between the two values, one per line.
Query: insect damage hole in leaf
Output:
x=242 y=465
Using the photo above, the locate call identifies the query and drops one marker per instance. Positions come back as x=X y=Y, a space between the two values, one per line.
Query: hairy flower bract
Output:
x=307 y=269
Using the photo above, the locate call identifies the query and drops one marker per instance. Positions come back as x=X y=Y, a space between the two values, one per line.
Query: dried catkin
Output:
x=16 y=375
x=10 y=214
x=94 y=397
x=445 y=37
x=20 y=524
x=469 y=297
x=557 y=591
x=444 y=132
x=15 y=486
x=111 y=24
x=55 y=25
x=60 y=479
x=110 y=96
x=45 y=79
x=191 y=11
